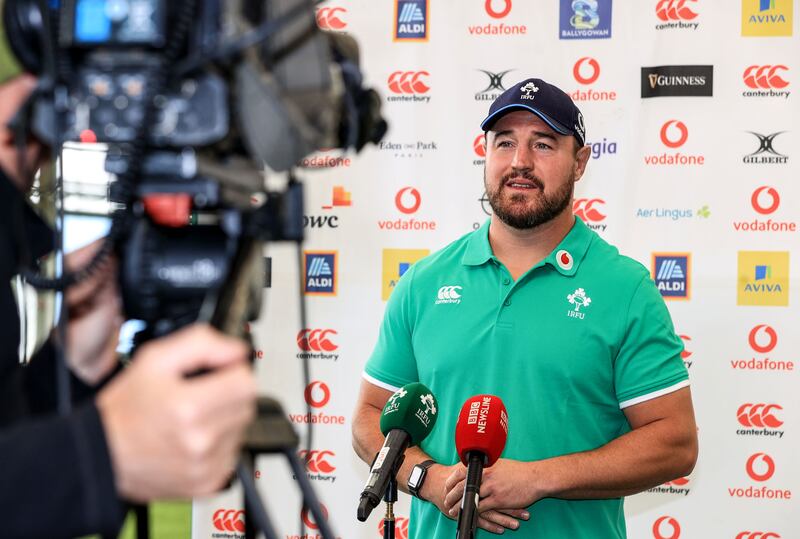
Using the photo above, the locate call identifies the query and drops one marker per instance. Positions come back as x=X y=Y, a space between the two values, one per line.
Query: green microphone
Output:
x=407 y=418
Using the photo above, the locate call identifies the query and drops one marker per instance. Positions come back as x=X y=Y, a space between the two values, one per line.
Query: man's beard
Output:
x=543 y=210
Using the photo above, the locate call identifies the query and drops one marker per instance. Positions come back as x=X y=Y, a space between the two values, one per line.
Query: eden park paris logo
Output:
x=578 y=299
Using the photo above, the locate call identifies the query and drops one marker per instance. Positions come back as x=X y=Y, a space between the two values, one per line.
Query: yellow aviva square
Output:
x=395 y=263
x=766 y=18
x=763 y=278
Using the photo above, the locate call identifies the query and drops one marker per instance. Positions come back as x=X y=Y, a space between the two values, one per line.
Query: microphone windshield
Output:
x=483 y=427
x=411 y=408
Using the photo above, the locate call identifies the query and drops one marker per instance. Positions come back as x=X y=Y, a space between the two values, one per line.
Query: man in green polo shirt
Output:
x=537 y=309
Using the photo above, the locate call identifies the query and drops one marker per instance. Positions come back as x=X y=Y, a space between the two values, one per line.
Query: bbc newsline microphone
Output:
x=407 y=418
x=481 y=434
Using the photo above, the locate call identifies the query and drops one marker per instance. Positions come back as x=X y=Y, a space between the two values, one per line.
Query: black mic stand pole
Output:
x=390 y=497
x=468 y=517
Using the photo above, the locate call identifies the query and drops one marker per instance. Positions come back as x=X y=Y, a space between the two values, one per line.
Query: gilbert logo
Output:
x=400 y=528
x=579 y=71
x=674 y=134
x=495 y=86
x=407 y=200
x=317 y=394
x=666 y=527
x=490 y=6
x=228 y=520
x=528 y=91
x=578 y=299
x=760 y=467
x=762 y=339
x=328 y=18
x=766 y=153
x=448 y=294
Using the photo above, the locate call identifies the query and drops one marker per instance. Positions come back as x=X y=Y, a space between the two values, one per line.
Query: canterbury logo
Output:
x=666 y=527
x=765 y=77
x=408 y=82
x=675 y=10
x=449 y=293
x=758 y=415
x=686 y=354
x=757 y=200
x=478 y=146
x=316 y=461
x=308 y=518
x=328 y=18
x=679 y=482
x=578 y=68
x=760 y=476
x=586 y=209
x=317 y=394
x=756 y=332
x=230 y=520
x=316 y=340
x=400 y=528
x=671 y=141
x=757 y=535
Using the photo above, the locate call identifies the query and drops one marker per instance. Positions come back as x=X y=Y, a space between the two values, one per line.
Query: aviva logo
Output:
x=395 y=263
x=763 y=18
x=763 y=278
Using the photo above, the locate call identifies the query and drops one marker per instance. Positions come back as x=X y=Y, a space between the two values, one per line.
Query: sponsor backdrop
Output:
x=691 y=113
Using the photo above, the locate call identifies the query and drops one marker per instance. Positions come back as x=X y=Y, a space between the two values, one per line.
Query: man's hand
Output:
x=434 y=489
x=505 y=489
x=95 y=316
x=171 y=436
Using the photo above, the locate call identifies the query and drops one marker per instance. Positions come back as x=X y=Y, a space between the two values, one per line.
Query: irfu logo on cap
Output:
x=528 y=89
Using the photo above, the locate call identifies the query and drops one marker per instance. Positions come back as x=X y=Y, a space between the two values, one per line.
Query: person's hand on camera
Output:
x=171 y=436
x=95 y=316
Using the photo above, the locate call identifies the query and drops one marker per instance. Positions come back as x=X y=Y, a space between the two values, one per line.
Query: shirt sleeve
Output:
x=649 y=362
x=392 y=363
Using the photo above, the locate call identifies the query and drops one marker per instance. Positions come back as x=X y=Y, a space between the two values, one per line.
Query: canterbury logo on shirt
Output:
x=448 y=294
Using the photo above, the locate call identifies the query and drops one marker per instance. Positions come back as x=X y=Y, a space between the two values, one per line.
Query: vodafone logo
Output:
x=765 y=200
x=407 y=200
x=757 y=535
x=497 y=8
x=675 y=10
x=674 y=134
x=408 y=82
x=478 y=147
x=308 y=518
x=328 y=18
x=765 y=77
x=760 y=467
x=229 y=520
x=758 y=415
x=317 y=394
x=400 y=528
x=316 y=340
x=686 y=354
x=586 y=70
x=762 y=338
x=317 y=461
x=588 y=209
x=666 y=527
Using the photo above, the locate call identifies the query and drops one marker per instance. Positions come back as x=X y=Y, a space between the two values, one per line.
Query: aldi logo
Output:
x=411 y=20
x=763 y=278
x=766 y=18
x=320 y=272
x=585 y=19
x=395 y=263
x=671 y=273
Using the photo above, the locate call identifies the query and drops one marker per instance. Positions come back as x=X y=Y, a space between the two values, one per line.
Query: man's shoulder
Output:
x=444 y=261
x=604 y=259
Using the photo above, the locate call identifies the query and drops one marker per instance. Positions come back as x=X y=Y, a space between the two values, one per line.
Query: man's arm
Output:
x=367 y=441
x=662 y=445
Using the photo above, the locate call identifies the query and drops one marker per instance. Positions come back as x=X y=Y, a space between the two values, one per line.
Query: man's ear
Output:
x=581 y=159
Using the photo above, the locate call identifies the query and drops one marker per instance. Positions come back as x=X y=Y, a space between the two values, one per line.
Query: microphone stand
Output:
x=468 y=517
x=390 y=497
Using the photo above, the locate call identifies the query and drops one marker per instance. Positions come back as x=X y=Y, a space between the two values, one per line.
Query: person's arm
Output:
x=367 y=441
x=661 y=446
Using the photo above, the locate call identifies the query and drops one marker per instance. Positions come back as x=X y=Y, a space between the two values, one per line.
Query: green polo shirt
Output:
x=572 y=342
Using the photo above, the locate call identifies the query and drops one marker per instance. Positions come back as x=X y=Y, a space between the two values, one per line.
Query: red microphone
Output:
x=481 y=434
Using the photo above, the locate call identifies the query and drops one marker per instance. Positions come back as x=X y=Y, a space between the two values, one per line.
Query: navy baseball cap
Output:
x=546 y=101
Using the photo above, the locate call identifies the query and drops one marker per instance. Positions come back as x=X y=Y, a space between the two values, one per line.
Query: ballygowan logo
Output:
x=676 y=14
x=765 y=81
x=585 y=19
x=677 y=81
x=495 y=86
x=766 y=153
